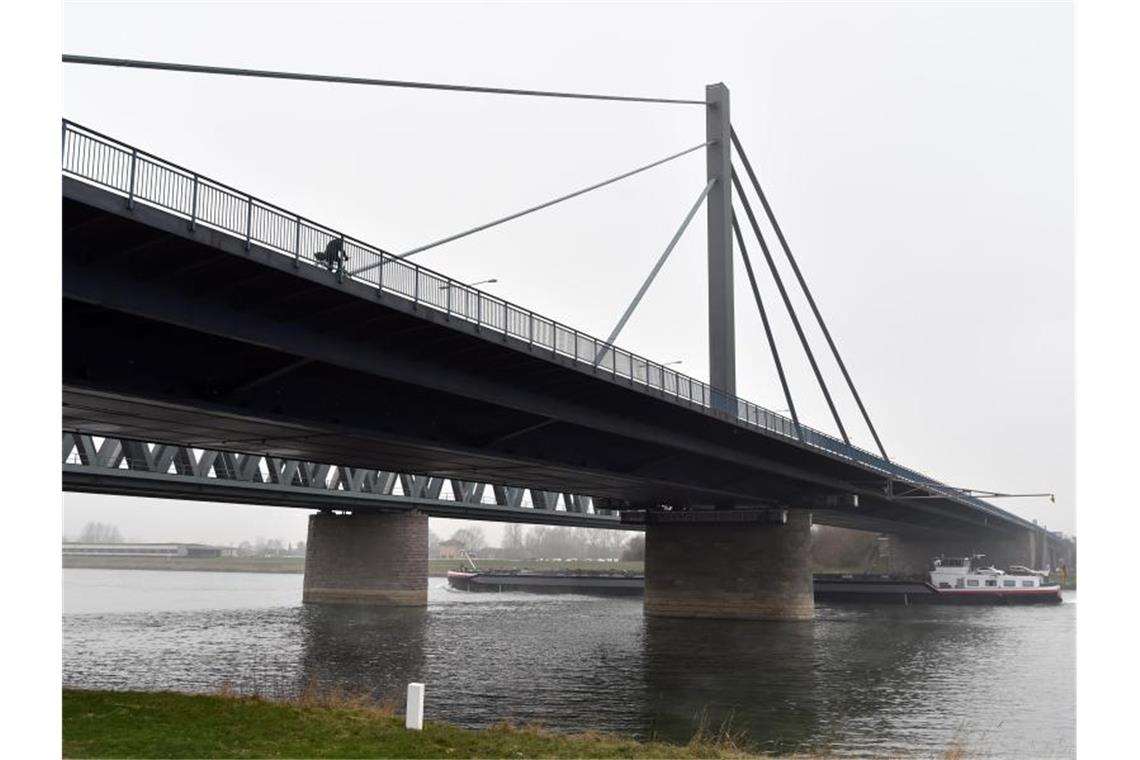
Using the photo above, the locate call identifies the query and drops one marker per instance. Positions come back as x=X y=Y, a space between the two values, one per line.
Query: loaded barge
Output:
x=957 y=580
x=594 y=584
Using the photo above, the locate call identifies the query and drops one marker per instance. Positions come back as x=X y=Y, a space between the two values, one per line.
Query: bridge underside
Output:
x=185 y=337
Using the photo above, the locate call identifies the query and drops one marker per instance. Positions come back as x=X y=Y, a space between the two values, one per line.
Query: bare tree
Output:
x=634 y=550
x=100 y=533
x=472 y=538
x=433 y=544
x=514 y=539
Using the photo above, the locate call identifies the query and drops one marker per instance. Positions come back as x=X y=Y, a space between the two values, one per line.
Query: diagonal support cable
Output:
x=189 y=68
x=788 y=306
x=532 y=209
x=653 y=272
x=803 y=284
x=767 y=327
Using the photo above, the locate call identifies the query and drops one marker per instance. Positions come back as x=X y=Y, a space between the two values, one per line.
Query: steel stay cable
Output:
x=653 y=272
x=767 y=327
x=532 y=209
x=788 y=306
x=807 y=292
x=188 y=68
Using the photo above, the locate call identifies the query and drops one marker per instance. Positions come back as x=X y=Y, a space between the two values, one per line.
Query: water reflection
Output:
x=362 y=650
x=759 y=677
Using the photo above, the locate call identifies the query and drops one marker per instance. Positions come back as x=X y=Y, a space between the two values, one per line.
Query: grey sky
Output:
x=919 y=156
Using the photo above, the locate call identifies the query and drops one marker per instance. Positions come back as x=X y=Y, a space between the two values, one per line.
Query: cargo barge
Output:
x=958 y=580
x=596 y=584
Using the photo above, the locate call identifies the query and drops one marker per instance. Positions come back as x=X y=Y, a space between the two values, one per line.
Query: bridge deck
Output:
x=252 y=345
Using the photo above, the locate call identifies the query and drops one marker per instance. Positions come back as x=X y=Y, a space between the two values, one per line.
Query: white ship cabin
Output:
x=961 y=573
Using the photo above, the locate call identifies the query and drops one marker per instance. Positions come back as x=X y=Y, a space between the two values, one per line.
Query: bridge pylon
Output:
x=722 y=330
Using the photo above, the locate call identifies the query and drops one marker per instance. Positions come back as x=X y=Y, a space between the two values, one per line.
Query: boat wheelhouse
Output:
x=967 y=579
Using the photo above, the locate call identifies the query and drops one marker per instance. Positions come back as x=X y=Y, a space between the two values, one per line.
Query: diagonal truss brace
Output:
x=82 y=451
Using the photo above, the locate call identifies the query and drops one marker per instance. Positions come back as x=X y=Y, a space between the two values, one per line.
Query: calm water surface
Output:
x=858 y=681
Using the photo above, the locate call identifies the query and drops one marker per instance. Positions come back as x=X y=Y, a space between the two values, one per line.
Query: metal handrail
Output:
x=146 y=178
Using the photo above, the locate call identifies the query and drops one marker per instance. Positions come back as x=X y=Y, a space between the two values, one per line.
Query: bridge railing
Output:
x=145 y=178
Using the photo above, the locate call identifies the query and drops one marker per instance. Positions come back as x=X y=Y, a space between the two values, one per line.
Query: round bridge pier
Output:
x=748 y=564
x=367 y=558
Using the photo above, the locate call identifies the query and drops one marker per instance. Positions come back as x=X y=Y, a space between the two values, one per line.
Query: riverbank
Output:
x=143 y=724
x=198 y=564
x=437 y=568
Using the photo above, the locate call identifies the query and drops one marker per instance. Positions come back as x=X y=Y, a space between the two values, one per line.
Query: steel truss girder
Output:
x=128 y=467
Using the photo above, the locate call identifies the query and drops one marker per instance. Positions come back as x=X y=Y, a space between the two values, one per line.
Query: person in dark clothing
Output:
x=333 y=257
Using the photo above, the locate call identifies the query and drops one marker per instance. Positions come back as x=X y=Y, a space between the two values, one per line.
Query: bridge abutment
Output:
x=377 y=559
x=730 y=565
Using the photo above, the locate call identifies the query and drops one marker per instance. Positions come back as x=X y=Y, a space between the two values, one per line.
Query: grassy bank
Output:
x=201 y=564
x=137 y=724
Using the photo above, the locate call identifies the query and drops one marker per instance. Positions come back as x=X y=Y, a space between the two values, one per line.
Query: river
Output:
x=859 y=681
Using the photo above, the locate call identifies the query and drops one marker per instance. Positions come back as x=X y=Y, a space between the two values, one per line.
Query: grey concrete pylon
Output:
x=722 y=332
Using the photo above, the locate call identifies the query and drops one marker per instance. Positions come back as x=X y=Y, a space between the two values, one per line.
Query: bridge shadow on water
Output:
x=750 y=682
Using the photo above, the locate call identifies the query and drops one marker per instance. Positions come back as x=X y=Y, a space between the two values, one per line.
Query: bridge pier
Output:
x=738 y=564
x=367 y=558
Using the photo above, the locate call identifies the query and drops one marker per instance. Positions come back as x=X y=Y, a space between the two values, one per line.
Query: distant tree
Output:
x=100 y=533
x=433 y=544
x=514 y=538
x=634 y=550
x=472 y=538
x=843 y=549
x=598 y=543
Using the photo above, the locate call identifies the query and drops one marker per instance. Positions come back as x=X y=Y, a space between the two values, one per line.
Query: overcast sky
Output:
x=919 y=156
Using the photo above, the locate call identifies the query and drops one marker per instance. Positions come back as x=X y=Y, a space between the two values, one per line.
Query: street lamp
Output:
x=447 y=285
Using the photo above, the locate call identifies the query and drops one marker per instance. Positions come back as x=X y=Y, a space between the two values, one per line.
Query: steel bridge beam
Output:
x=135 y=468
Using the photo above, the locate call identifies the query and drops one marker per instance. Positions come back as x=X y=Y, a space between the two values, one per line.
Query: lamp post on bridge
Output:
x=465 y=290
x=447 y=285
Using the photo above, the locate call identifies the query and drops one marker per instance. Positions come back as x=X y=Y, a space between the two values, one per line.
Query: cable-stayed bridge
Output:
x=200 y=319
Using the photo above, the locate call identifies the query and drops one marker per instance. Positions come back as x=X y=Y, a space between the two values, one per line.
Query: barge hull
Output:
x=859 y=590
x=601 y=585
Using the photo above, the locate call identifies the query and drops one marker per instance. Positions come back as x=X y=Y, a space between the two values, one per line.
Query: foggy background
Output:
x=919 y=158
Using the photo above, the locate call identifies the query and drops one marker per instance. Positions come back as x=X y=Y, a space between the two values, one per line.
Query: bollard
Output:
x=415 y=711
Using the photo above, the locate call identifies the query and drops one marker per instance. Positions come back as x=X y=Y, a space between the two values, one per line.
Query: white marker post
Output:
x=415 y=712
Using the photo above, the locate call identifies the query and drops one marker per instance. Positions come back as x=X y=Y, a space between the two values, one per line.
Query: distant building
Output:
x=451 y=549
x=146 y=550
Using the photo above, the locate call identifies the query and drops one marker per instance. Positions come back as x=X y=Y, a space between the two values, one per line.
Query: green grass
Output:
x=169 y=725
x=200 y=564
